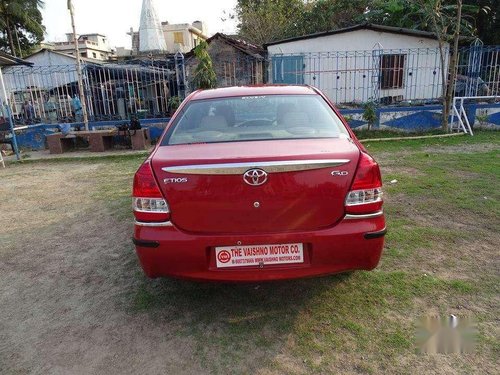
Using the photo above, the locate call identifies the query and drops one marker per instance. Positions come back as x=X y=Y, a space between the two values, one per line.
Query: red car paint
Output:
x=304 y=206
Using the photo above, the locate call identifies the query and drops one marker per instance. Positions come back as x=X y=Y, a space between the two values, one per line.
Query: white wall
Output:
x=189 y=37
x=50 y=70
x=64 y=72
x=344 y=65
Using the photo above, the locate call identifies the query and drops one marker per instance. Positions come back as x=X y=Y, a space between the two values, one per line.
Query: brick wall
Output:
x=232 y=66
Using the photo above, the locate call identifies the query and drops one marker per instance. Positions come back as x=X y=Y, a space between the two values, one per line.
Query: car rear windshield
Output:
x=247 y=118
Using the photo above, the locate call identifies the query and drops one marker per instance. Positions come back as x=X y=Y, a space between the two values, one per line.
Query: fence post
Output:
x=180 y=73
x=6 y=105
x=377 y=51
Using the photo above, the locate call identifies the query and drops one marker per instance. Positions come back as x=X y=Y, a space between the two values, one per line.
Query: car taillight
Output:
x=365 y=196
x=148 y=202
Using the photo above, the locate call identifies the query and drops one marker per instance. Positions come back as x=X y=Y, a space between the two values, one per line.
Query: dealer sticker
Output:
x=258 y=255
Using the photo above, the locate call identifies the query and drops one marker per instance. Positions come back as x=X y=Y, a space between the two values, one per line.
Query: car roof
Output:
x=253 y=91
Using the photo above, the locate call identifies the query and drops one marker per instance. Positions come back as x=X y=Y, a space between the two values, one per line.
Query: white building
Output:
x=53 y=74
x=181 y=37
x=361 y=63
x=92 y=46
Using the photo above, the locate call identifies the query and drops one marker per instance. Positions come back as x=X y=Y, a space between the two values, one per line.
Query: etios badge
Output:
x=255 y=177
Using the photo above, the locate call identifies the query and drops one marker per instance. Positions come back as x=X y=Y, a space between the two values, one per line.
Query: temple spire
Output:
x=151 y=38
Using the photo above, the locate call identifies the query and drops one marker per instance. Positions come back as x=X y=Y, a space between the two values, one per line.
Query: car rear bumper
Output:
x=354 y=243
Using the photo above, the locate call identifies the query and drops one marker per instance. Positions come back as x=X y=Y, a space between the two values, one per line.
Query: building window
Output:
x=83 y=54
x=392 y=71
x=179 y=37
x=94 y=55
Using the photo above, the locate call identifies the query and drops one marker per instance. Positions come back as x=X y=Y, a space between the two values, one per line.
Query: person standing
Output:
x=76 y=105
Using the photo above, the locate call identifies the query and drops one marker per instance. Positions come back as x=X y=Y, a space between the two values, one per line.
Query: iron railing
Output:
x=112 y=91
x=116 y=91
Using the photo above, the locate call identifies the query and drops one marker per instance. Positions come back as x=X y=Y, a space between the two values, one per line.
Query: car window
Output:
x=248 y=118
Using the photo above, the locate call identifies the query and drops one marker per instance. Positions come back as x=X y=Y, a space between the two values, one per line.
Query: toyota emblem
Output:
x=255 y=177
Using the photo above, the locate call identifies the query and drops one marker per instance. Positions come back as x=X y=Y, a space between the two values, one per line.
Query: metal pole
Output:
x=9 y=116
x=78 y=67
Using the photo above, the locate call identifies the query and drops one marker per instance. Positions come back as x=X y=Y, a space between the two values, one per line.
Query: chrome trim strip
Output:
x=268 y=166
x=161 y=224
x=365 y=216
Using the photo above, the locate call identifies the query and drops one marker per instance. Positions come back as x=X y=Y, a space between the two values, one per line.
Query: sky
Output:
x=114 y=18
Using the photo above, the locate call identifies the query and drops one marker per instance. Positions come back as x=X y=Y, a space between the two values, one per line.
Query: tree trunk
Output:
x=18 y=43
x=453 y=69
x=444 y=118
x=11 y=39
x=444 y=71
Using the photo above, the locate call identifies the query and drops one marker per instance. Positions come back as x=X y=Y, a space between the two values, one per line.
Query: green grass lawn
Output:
x=445 y=201
x=441 y=256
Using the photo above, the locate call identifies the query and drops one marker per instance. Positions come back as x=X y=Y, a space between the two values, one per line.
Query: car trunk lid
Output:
x=259 y=186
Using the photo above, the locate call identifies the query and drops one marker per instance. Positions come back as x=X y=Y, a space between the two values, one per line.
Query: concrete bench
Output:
x=99 y=140
x=59 y=143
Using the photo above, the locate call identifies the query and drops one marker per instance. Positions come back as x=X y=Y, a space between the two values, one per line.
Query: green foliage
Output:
x=487 y=20
x=438 y=16
x=204 y=74
x=482 y=118
x=263 y=21
x=174 y=102
x=21 y=26
x=370 y=114
x=324 y=15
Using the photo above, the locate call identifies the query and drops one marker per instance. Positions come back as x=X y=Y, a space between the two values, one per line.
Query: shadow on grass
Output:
x=229 y=321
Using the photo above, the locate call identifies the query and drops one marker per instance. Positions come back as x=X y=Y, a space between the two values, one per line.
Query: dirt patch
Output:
x=67 y=271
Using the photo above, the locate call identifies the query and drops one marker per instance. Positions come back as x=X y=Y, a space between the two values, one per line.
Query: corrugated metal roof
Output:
x=253 y=50
x=7 y=60
x=363 y=26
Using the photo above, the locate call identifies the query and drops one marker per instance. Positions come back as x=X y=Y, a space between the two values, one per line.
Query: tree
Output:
x=325 y=15
x=20 y=25
x=263 y=21
x=397 y=13
x=447 y=19
x=204 y=74
x=486 y=20
x=370 y=114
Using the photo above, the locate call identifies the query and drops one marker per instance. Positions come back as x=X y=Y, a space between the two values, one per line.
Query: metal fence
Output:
x=383 y=75
x=389 y=76
x=49 y=94
x=478 y=71
x=116 y=91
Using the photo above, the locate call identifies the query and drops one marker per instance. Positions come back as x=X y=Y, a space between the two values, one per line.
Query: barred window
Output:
x=392 y=71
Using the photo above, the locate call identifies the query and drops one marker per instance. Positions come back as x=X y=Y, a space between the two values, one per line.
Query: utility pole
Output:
x=78 y=67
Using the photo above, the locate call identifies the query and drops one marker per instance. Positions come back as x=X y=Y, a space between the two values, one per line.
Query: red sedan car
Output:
x=257 y=183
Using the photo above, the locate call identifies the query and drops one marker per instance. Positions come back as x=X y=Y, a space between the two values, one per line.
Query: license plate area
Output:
x=259 y=255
